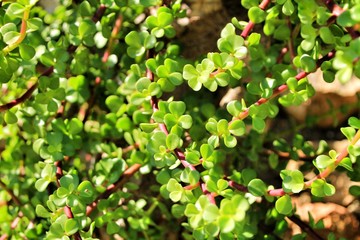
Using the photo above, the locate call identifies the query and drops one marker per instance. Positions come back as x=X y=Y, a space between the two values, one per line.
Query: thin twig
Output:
x=128 y=173
x=305 y=227
x=336 y=10
x=263 y=5
x=67 y=209
x=284 y=87
x=280 y=192
x=11 y=193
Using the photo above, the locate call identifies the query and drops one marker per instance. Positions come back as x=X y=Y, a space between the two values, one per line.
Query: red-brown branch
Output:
x=284 y=87
x=99 y=13
x=128 y=173
x=114 y=33
x=263 y=5
x=336 y=10
x=26 y=95
x=208 y=194
x=238 y=186
x=11 y=193
x=343 y=154
x=305 y=227
x=67 y=209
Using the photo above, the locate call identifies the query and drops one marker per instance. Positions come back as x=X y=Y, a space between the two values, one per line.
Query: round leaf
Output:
x=257 y=187
x=283 y=205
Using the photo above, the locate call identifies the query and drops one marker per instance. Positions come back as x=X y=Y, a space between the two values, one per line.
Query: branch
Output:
x=280 y=192
x=99 y=13
x=21 y=99
x=207 y=193
x=67 y=209
x=114 y=33
x=22 y=36
x=263 y=5
x=97 y=16
x=284 y=87
x=305 y=227
x=336 y=10
x=238 y=186
x=27 y=94
x=128 y=173
x=85 y=108
x=11 y=193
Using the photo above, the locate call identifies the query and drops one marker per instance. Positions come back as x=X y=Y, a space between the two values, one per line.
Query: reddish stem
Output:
x=284 y=87
x=191 y=187
x=26 y=95
x=99 y=13
x=336 y=10
x=323 y=174
x=114 y=33
x=208 y=194
x=67 y=209
x=238 y=186
x=11 y=193
x=263 y=5
x=128 y=173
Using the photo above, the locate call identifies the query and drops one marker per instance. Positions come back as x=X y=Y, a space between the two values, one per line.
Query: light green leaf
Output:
x=283 y=205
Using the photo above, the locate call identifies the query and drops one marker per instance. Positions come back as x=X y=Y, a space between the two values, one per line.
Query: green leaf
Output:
x=237 y=128
x=41 y=184
x=57 y=230
x=112 y=228
x=175 y=189
x=75 y=126
x=15 y=10
x=258 y=124
x=148 y=127
x=206 y=151
x=282 y=32
x=27 y=52
x=143 y=84
x=347 y=164
x=85 y=9
x=324 y=161
x=226 y=224
x=320 y=188
x=293 y=180
x=10 y=117
x=71 y=226
x=348 y=132
x=283 y=205
x=354 y=122
x=54 y=138
x=254 y=39
x=257 y=187
x=38 y=143
x=234 y=108
x=211 y=213
x=69 y=182
x=41 y=211
x=172 y=141
x=256 y=14
x=329 y=189
x=288 y=8
x=344 y=75
x=308 y=63
x=177 y=107
x=326 y=35
x=87 y=27
x=354 y=190
x=185 y=121
x=86 y=190
x=230 y=141
x=345 y=19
